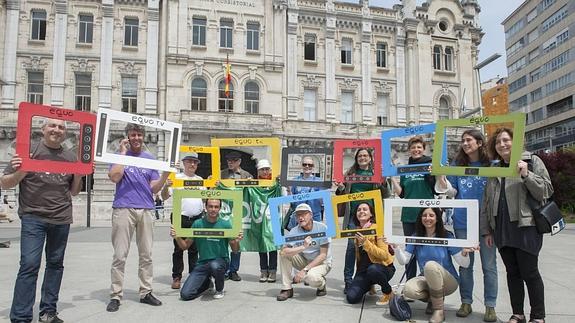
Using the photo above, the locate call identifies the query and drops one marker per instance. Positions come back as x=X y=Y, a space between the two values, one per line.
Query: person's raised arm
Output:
x=11 y=180
x=157 y=184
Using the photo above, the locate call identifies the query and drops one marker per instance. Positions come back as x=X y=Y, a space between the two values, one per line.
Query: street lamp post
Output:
x=476 y=68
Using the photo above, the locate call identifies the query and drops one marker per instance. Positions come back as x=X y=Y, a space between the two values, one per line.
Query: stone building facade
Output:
x=307 y=71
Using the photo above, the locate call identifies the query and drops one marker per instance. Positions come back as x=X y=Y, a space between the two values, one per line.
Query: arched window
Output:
x=199 y=94
x=252 y=97
x=444 y=113
x=225 y=102
x=448 y=59
x=436 y=57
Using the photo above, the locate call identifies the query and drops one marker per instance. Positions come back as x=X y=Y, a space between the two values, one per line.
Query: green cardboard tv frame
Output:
x=518 y=120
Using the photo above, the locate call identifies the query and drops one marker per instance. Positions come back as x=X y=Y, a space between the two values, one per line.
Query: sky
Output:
x=493 y=12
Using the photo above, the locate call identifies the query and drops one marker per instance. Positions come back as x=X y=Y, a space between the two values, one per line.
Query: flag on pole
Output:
x=228 y=77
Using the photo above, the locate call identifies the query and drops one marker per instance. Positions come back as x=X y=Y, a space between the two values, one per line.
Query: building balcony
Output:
x=234 y=123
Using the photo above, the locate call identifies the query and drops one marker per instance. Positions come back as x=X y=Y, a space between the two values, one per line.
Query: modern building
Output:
x=541 y=67
x=307 y=71
x=495 y=100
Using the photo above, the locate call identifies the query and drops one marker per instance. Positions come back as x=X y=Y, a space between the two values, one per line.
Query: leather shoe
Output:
x=285 y=294
x=150 y=300
x=235 y=277
x=176 y=283
x=113 y=306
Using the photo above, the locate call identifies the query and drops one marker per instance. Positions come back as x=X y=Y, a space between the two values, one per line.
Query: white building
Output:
x=307 y=71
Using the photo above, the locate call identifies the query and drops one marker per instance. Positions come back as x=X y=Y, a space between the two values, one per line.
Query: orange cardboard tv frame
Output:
x=338 y=149
x=85 y=159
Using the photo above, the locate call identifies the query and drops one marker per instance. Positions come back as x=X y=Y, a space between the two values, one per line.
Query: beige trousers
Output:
x=124 y=222
x=435 y=277
x=315 y=276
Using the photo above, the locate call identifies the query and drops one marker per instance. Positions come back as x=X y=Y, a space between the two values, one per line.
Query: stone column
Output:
x=151 y=89
x=400 y=71
x=366 y=98
x=330 y=58
x=106 y=43
x=183 y=34
x=10 y=46
x=292 y=56
x=59 y=54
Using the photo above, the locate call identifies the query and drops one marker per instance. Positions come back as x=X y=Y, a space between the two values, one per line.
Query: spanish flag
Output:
x=228 y=76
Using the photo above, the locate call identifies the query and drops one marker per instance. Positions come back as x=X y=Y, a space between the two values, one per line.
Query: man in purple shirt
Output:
x=133 y=209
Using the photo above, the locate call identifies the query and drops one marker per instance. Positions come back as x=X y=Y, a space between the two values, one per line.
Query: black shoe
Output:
x=150 y=300
x=235 y=277
x=50 y=318
x=113 y=306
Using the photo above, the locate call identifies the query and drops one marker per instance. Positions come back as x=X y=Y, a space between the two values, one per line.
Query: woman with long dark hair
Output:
x=507 y=221
x=472 y=152
x=439 y=277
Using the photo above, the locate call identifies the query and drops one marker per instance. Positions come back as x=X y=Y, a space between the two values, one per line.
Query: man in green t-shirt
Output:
x=213 y=254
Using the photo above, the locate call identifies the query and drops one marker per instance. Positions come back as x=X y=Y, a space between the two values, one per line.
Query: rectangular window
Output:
x=518 y=103
x=517 y=84
x=536 y=115
x=309 y=48
x=517 y=65
x=533 y=54
x=346 y=46
x=546 y=3
x=535 y=75
x=36 y=87
x=381 y=110
x=253 y=35
x=347 y=107
x=309 y=103
x=38 y=31
x=554 y=19
x=448 y=58
x=562 y=37
x=199 y=31
x=560 y=106
x=381 y=54
x=515 y=28
x=532 y=15
x=85 y=29
x=536 y=95
x=515 y=47
x=226 y=32
x=130 y=94
x=533 y=35
x=436 y=57
x=83 y=91
x=131 y=31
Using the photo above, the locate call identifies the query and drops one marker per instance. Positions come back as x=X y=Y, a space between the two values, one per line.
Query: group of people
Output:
x=506 y=223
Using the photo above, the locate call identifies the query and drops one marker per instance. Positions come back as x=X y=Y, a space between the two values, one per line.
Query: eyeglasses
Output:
x=306 y=165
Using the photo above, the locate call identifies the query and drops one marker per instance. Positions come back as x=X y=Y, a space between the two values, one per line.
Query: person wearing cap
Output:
x=312 y=259
x=234 y=170
x=191 y=211
x=307 y=174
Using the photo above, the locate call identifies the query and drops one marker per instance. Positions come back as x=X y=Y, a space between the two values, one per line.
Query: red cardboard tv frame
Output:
x=87 y=121
x=338 y=148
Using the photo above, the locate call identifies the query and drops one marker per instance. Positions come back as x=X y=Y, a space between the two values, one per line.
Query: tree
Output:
x=561 y=168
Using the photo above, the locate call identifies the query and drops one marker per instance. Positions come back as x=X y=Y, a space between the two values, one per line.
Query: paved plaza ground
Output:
x=85 y=287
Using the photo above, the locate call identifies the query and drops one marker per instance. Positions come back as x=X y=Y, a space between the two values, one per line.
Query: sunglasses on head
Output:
x=307 y=165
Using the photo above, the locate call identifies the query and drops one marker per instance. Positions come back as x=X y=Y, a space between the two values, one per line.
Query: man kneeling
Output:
x=313 y=260
x=213 y=254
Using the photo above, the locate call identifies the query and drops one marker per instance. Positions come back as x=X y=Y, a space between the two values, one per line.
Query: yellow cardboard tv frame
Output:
x=374 y=195
x=273 y=143
x=206 y=182
x=236 y=221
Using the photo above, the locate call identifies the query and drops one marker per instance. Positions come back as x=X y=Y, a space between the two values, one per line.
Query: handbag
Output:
x=398 y=306
x=547 y=217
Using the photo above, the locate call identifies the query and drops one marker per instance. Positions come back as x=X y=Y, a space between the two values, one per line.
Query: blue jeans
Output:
x=374 y=274
x=349 y=264
x=234 y=262
x=34 y=233
x=198 y=280
x=489 y=267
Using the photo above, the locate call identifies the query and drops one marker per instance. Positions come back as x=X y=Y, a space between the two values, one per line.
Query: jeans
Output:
x=349 y=264
x=178 y=254
x=489 y=268
x=374 y=274
x=269 y=263
x=522 y=268
x=234 y=262
x=33 y=234
x=409 y=230
x=199 y=279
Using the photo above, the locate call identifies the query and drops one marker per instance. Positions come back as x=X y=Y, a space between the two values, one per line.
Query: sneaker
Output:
x=264 y=277
x=176 y=282
x=464 y=310
x=285 y=294
x=150 y=300
x=321 y=291
x=384 y=300
x=272 y=277
x=429 y=309
x=490 y=315
x=113 y=306
x=235 y=277
x=218 y=295
x=50 y=318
